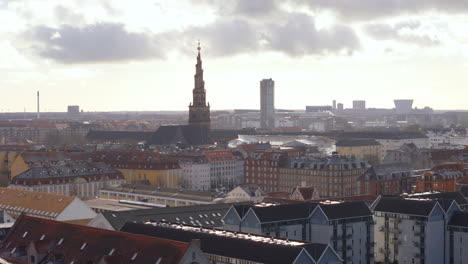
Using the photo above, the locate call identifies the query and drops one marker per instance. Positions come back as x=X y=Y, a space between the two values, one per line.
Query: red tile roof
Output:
x=83 y=244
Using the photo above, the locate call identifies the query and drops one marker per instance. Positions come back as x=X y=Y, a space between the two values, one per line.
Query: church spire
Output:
x=199 y=110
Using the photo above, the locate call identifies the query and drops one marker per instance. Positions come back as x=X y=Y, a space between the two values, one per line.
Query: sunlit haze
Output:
x=140 y=55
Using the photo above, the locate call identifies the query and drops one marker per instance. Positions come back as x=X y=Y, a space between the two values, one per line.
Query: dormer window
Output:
x=83 y=246
x=42 y=237
x=134 y=256
x=25 y=234
x=111 y=252
x=60 y=242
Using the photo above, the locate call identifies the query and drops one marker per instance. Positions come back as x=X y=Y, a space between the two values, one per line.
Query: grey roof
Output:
x=204 y=197
x=209 y=215
x=284 y=212
x=387 y=171
x=119 y=135
x=459 y=219
x=405 y=206
x=464 y=190
x=233 y=247
x=346 y=210
x=185 y=134
x=74 y=170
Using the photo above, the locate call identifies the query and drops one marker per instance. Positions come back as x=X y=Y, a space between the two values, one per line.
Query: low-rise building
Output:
x=230 y=247
x=143 y=167
x=36 y=240
x=386 y=179
x=246 y=193
x=224 y=169
x=156 y=195
x=208 y=215
x=84 y=179
x=440 y=180
x=44 y=205
x=365 y=149
x=333 y=176
x=195 y=172
x=262 y=169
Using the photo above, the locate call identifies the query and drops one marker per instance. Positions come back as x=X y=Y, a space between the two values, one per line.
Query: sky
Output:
x=115 y=55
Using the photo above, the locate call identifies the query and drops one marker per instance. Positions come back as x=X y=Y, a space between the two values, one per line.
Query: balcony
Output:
x=390 y=230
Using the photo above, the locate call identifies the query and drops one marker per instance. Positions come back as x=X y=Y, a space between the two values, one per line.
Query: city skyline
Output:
x=108 y=57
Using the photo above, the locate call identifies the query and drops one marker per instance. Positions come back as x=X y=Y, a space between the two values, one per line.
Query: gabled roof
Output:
x=459 y=219
x=284 y=212
x=34 y=203
x=250 y=189
x=218 y=242
x=83 y=244
x=345 y=210
x=387 y=171
x=307 y=193
x=211 y=215
x=405 y=206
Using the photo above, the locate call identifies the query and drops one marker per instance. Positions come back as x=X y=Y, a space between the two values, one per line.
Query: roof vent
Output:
x=134 y=256
x=83 y=246
x=60 y=241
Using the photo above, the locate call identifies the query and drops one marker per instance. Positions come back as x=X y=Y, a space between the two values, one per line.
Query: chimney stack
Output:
x=38 y=111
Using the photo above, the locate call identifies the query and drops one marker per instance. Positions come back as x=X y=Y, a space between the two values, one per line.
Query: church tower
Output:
x=199 y=110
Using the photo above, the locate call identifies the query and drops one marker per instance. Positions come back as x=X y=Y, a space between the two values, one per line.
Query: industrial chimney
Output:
x=38 y=111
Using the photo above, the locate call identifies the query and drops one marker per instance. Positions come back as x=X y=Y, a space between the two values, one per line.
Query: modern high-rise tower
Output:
x=267 y=103
x=199 y=110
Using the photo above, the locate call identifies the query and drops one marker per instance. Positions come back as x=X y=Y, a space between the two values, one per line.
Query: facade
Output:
x=346 y=227
x=224 y=169
x=262 y=169
x=442 y=180
x=223 y=247
x=155 y=195
x=386 y=179
x=199 y=110
x=458 y=238
x=267 y=104
x=143 y=167
x=76 y=179
x=43 y=205
x=410 y=230
x=333 y=176
x=365 y=149
x=36 y=240
x=411 y=154
x=195 y=172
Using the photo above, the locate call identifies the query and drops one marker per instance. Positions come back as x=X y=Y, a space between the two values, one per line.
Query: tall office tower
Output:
x=199 y=110
x=340 y=107
x=334 y=104
x=267 y=103
x=359 y=105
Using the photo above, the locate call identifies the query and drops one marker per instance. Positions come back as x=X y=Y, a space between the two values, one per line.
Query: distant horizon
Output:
x=105 y=55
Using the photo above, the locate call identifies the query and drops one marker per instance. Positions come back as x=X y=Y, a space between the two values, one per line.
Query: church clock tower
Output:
x=199 y=110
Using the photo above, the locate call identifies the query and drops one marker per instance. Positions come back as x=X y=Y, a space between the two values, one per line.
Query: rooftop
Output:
x=83 y=244
x=209 y=215
x=33 y=203
x=260 y=249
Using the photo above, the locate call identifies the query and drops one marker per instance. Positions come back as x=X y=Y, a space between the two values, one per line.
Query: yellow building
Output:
x=144 y=167
x=364 y=149
x=6 y=160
